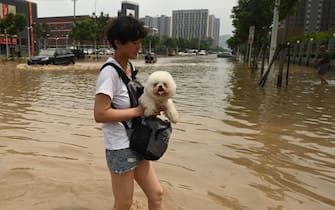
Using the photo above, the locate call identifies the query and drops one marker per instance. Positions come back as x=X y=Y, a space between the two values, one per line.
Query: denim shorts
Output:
x=123 y=160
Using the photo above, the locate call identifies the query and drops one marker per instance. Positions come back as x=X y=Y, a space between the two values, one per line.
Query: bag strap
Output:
x=121 y=73
x=124 y=78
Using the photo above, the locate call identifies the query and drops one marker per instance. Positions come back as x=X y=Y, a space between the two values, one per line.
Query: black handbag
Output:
x=148 y=136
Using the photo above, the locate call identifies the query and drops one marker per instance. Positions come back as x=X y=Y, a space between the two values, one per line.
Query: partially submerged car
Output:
x=150 y=58
x=56 y=56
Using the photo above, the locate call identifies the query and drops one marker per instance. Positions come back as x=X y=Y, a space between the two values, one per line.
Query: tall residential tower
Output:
x=190 y=24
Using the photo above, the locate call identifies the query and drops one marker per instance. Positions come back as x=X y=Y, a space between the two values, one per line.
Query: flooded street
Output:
x=238 y=146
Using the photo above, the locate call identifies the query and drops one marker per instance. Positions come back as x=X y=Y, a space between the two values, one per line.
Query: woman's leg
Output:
x=145 y=176
x=123 y=188
x=322 y=71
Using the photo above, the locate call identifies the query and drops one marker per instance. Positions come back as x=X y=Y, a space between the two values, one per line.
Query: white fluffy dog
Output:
x=159 y=89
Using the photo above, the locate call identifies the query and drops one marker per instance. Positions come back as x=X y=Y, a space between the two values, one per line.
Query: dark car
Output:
x=78 y=53
x=56 y=56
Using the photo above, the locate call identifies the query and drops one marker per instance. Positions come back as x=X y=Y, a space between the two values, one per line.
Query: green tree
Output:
x=42 y=31
x=181 y=43
x=85 y=29
x=258 y=13
x=248 y=13
x=169 y=44
x=20 y=22
x=9 y=24
x=13 y=25
x=150 y=43
x=101 y=23
x=2 y=26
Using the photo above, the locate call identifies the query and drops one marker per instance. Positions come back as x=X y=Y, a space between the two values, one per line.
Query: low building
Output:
x=59 y=29
x=8 y=43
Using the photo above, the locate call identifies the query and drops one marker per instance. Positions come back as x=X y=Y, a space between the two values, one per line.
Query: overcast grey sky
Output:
x=220 y=8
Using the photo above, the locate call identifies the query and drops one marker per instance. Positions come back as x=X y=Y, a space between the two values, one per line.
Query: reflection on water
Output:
x=283 y=138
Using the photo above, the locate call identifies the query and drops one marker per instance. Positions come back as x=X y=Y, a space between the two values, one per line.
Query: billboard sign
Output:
x=5 y=9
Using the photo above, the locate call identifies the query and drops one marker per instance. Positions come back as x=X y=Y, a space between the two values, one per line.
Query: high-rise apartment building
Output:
x=129 y=9
x=186 y=24
x=328 y=15
x=190 y=24
x=214 y=29
x=149 y=21
x=313 y=16
x=297 y=20
x=162 y=24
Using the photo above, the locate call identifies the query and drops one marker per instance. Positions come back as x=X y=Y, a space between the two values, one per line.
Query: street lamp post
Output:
x=95 y=37
x=309 y=48
x=296 y=50
x=28 y=40
x=74 y=10
x=331 y=42
x=56 y=39
x=301 y=44
x=7 y=48
x=6 y=37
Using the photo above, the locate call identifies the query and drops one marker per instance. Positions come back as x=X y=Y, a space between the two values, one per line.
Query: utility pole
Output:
x=28 y=41
x=32 y=41
x=274 y=32
x=250 y=42
x=6 y=37
x=74 y=18
x=74 y=10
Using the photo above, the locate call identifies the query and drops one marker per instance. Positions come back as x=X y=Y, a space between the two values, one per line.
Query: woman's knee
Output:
x=157 y=195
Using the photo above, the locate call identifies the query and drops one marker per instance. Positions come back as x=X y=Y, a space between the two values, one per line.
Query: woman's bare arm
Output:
x=104 y=113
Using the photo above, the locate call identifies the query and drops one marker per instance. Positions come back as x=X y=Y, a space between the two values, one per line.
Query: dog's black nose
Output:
x=160 y=87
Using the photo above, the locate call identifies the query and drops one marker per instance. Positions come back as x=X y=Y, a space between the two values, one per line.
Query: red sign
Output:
x=8 y=40
x=4 y=10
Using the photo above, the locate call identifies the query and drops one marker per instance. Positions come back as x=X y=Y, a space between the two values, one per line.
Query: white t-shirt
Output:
x=110 y=83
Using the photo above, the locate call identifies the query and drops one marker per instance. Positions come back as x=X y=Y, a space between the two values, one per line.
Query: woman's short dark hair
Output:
x=125 y=29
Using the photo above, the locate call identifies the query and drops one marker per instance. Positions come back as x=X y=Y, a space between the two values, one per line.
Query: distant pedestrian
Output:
x=322 y=63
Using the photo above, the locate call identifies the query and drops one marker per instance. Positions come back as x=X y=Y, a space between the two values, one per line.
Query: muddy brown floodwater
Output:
x=238 y=146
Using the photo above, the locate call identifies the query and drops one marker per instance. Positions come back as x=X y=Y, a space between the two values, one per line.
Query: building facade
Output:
x=9 y=44
x=129 y=9
x=313 y=16
x=214 y=29
x=59 y=29
x=162 y=24
x=190 y=24
x=328 y=15
x=186 y=24
x=297 y=20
